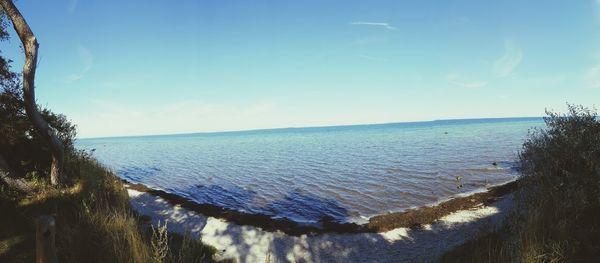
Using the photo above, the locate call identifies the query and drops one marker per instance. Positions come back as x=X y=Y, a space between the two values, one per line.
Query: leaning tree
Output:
x=30 y=46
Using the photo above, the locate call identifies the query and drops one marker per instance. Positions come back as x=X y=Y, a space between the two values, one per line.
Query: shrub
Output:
x=560 y=195
x=20 y=144
x=557 y=215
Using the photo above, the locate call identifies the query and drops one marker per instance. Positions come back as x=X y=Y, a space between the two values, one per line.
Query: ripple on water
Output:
x=343 y=173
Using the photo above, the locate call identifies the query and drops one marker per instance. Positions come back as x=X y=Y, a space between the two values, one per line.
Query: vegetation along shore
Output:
x=59 y=203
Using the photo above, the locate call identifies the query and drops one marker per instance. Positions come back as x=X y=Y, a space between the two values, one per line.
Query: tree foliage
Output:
x=21 y=145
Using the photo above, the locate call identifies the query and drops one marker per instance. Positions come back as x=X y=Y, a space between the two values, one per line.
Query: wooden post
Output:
x=45 y=230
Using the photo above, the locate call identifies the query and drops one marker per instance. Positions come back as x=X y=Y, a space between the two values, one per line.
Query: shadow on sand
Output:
x=253 y=238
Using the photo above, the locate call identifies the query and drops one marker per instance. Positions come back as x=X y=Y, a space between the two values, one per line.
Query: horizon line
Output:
x=306 y=127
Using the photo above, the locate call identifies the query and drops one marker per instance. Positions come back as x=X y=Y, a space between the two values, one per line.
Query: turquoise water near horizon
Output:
x=348 y=173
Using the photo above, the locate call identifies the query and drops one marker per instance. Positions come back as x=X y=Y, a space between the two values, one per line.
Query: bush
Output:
x=94 y=221
x=560 y=196
x=21 y=145
x=557 y=216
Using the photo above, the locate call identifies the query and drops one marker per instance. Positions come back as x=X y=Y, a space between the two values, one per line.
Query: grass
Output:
x=16 y=239
x=558 y=202
x=94 y=221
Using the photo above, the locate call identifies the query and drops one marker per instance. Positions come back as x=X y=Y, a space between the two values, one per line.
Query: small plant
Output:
x=160 y=243
x=192 y=251
x=35 y=177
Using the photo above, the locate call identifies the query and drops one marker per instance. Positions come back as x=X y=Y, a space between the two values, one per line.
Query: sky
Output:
x=119 y=68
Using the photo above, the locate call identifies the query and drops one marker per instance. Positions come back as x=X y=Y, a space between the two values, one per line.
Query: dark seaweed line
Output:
x=413 y=218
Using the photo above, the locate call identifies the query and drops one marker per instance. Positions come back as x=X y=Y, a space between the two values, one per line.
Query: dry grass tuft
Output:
x=95 y=221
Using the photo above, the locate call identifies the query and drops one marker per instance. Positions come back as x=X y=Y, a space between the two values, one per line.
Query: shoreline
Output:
x=245 y=243
x=414 y=218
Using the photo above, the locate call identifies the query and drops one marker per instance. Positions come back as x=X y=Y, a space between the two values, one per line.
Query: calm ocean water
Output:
x=346 y=172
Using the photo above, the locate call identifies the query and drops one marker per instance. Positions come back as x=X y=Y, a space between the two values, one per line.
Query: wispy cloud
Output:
x=73 y=77
x=368 y=41
x=597 y=13
x=591 y=78
x=462 y=82
x=86 y=59
x=379 y=24
x=510 y=60
x=591 y=75
x=143 y=118
x=461 y=19
x=173 y=117
x=72 y=5
x=372 y=58
x=456 y=21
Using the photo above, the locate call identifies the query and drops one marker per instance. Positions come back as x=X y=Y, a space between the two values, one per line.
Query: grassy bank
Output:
x=558 y=201
x=94 y=221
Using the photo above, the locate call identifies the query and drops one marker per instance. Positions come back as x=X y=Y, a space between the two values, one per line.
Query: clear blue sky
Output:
x=154 y=67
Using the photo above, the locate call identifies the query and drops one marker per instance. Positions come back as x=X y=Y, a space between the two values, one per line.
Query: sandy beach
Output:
x=253 y=244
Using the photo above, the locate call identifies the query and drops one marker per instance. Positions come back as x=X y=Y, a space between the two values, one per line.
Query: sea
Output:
x=345 y=173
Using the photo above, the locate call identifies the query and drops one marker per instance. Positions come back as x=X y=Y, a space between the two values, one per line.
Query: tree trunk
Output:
x=30 y=45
